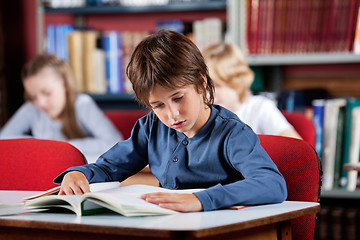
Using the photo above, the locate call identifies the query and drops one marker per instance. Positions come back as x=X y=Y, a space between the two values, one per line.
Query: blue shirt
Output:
x=225 y=157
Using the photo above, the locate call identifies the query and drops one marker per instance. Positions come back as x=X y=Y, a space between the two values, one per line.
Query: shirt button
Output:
x=175 y=159
x=185 y=142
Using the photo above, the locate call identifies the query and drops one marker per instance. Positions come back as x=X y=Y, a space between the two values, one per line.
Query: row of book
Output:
x=337 y=126
x=307 y=26
x=98 y=59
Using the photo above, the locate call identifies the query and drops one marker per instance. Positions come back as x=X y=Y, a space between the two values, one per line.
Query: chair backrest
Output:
x=32 y=164
x=302 y=124
x=124 y=120
x=299 y=164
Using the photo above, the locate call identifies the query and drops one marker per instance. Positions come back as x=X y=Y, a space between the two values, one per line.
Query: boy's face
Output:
x=181 y=109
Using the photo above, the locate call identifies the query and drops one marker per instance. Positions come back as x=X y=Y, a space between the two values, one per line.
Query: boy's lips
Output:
x=178 y=124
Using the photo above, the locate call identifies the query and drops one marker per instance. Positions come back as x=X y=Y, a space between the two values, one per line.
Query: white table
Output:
x=265 y=222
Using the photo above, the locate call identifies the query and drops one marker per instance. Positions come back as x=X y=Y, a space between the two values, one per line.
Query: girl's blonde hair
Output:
x=70 y=126
x=227 y=64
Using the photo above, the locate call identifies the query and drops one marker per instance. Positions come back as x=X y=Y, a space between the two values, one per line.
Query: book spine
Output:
x=50 y=39
x=318 y=116
x=357 y=34
x=354 y=148
x=351 y=103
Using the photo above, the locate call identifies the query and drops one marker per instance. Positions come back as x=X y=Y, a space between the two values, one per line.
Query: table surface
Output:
x=198 y=221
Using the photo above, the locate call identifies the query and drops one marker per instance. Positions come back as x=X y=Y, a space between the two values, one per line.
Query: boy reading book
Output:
x=187 y=141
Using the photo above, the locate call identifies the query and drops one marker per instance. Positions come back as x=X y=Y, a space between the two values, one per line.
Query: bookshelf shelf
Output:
x=173 y=7
x=339 y=194
x=116 y=101
x=293 y=59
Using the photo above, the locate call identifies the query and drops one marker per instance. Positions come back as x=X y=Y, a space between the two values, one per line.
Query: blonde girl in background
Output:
x=233 y=78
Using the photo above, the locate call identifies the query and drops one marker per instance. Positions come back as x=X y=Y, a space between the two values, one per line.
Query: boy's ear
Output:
x=204 y=79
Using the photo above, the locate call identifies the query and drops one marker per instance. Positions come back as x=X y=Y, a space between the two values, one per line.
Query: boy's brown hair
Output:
x=170 y=60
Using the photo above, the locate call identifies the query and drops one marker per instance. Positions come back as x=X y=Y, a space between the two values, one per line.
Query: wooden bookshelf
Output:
x=124 y=18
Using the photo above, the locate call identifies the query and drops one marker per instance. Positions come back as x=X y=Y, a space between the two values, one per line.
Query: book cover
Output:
x=89 y=46
x=350 y=105
x=50 y=39
x=112 y=46
x=318 y=116
x=100 y=84
x=339 y=144
x=354 y=148
x=331 y=116
x=357 y=34
x=76 y=58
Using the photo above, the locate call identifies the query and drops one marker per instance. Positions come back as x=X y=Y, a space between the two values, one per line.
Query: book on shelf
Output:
x=331 y=135
x=100 y=82
x=130 y=40
x=354 y=149
x=357 y=34
x=318 y=116
x=176 y=25
x=351 y=103
x=207 y=32
x=124 y=200
x=112 y=45
x=76 y=58
x=339 y=144
x=56 y=40
x=89 y=40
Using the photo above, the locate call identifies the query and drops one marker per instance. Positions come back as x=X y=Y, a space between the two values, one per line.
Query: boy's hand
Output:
x=74 y=183
x=175 y=201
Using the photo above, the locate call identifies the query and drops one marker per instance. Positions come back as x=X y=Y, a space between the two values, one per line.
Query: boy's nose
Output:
x=173 y=112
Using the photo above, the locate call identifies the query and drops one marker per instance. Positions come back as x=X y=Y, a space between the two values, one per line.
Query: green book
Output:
x=350 y=105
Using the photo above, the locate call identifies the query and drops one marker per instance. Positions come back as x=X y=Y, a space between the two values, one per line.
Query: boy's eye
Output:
x=178 y=99
x=158 y=106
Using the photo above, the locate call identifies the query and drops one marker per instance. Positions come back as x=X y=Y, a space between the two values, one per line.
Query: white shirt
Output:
x=30 y=121
x=262 y=115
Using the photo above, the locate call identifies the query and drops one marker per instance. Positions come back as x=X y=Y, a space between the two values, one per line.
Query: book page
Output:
x=126 y=200
x=94 y=187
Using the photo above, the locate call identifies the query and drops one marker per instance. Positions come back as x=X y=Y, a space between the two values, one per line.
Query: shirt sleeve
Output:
x=262 y=183
x=101 y=133
x=124 y=159
x=19 y=125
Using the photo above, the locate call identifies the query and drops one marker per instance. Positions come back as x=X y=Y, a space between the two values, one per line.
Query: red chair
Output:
x=302 y=124
x=32 y=164
x=299 y=164
x=124 y=120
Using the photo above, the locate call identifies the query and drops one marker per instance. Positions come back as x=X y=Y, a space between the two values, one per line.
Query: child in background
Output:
x=187 y=141
x=233 y=78
x=54 y=110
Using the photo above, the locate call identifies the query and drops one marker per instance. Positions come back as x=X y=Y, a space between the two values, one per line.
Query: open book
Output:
x=109 y=195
